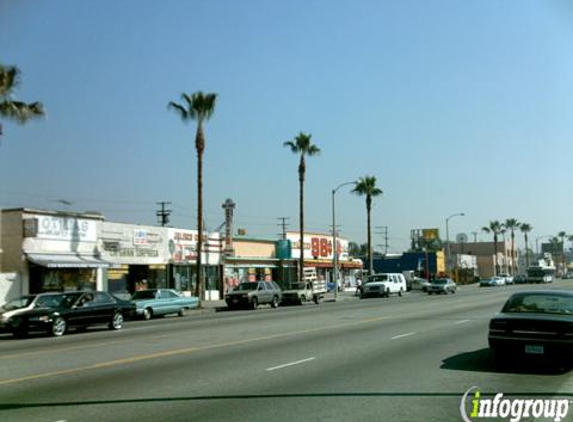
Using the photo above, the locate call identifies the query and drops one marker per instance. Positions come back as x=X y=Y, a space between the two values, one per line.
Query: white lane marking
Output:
x=463 y=321
x=298 y=362
x=402 y=336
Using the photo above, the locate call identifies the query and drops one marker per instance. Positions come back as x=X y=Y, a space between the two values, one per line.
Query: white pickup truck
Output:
x=311 y=289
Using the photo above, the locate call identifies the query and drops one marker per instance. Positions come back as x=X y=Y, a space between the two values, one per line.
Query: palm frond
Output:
x=179 y=109
x=9 y=79
x=20 y=111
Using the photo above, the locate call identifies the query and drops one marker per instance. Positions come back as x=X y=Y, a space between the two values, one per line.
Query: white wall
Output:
x=10 y=287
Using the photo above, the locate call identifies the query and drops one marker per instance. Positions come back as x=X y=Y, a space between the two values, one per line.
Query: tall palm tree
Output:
x=366 y=186
x=198 y=107
x=512 y=225
x=302 y=146
x=17 y=111
x=525 y=229
x=496 y=228
x=563 y=235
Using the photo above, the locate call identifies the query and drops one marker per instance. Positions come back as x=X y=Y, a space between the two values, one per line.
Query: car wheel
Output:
x=429 y=293
x=182 y=312
x=275 y=302
x=116 y=321
x=316 y=299
x=254 y=303
x=387 y=294
x=59 y=326
x=301 y=300
x=400 y=292
x=147 y=314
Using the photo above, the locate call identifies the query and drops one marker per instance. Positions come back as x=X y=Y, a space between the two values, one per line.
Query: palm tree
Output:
x=366 y=186
x=512 y=224
x=10 y=109
x=198 y=107
x=496 y=228
x=525 y=229
x=303 y=146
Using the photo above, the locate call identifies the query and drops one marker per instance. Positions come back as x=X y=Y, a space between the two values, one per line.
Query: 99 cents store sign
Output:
x=317 y=246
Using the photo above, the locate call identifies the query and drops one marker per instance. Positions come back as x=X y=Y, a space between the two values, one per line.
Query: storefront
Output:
x=318 y=253
x=182 y=251
x=52 y=251
x=138 y=256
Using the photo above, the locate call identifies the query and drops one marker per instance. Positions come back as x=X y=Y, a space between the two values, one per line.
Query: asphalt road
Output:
x=407 y=358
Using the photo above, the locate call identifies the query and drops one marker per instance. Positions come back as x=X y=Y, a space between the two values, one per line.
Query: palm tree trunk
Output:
x=301 y=171
x=512 y=253
x=369 y=235
x=496 y=268
x=200 y=145
x=526 y=251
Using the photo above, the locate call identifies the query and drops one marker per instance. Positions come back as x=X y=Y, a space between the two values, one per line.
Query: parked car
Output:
x=508 y=278
x=156 y=302
x=55 y=313
x=520 y=279
x=538 y=323
x=442 y=285
x=253 y=294
x=383 y=284
x=420 y=284
x=492 y=282
x=299 y=293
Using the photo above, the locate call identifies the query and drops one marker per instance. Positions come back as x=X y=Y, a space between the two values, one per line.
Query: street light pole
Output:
x=334 y=245
x=449 y=250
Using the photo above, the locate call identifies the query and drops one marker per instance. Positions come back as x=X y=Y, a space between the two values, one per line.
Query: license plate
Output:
x=534 y=350
x=235 y=300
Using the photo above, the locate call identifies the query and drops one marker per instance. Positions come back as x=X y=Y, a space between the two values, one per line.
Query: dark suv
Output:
x=253 y=294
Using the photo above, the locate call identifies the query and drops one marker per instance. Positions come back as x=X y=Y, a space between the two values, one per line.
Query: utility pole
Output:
x=284 y=225
x=385 y=233
x=475 y=236
x=163 y=214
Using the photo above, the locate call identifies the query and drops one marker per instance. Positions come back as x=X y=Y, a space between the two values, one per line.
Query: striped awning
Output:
x=67 y=260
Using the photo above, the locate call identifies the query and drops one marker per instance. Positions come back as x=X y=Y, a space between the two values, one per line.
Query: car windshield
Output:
x=539 y=303
x=439 y=281
x=144 y=294
x=19 y=303
x=247 y=287
x=375 y=278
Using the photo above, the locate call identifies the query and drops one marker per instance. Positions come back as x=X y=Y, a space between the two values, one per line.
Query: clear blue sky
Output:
x=455 y=106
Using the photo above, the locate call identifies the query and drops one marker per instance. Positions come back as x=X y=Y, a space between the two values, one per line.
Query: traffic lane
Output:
x=188 y=338
x=354 y=371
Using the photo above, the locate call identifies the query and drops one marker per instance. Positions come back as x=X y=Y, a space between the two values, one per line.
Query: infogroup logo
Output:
x=474 y=407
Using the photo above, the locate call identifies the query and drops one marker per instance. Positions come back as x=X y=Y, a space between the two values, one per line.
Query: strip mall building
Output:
x=42 y=250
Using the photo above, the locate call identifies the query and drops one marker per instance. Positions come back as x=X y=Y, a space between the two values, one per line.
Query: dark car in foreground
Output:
x=252 y=294
x=55 y=313
x=442 y=285
x=156 y=302
x=536 y=323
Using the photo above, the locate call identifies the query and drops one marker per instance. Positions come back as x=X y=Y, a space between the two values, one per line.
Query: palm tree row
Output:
x=496 y=228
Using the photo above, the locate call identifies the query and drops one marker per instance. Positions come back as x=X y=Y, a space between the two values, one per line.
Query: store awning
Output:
x=67 y=260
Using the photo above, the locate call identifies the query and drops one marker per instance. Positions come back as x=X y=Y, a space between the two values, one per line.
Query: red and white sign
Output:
x=317 y=246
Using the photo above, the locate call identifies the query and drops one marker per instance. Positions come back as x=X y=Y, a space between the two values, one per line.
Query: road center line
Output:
x=286 y=365
x=402 y=336
x=463 y=321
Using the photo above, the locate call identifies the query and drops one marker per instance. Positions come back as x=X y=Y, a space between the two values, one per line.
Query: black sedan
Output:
x=536 y=323
x=54 y=313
